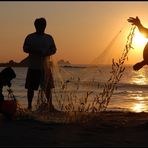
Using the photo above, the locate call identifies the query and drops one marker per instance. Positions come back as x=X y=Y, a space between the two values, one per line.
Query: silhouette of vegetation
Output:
x=69 y=101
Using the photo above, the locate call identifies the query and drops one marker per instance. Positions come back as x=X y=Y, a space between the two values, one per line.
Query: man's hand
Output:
x=134 y=21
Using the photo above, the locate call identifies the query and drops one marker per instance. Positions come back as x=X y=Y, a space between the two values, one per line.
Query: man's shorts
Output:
x=34 y=79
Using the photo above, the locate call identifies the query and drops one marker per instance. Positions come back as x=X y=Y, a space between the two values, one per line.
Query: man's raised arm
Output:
x=136 y=21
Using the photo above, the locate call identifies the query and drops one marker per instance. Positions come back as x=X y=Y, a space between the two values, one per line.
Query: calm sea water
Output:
x=132 y=92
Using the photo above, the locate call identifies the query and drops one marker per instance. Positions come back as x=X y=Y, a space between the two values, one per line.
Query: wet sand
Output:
x=105 y=129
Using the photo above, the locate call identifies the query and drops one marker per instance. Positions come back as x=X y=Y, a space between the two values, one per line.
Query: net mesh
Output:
x=81 y=91
x=84 y=89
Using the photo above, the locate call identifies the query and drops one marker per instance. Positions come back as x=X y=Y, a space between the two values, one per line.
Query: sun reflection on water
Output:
x=139 y=107
x=140 y=78
x=140 y=103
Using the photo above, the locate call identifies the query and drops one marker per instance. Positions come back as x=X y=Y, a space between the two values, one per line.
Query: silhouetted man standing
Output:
x=38 y=45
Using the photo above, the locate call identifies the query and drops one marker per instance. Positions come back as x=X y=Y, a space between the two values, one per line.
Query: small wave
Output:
x=128 y=86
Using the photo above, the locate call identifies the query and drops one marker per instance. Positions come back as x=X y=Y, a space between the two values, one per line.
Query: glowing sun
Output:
x=139 y=40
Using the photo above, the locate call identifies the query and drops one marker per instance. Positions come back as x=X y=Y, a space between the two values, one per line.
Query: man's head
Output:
x=7 y=75
x=40 y=25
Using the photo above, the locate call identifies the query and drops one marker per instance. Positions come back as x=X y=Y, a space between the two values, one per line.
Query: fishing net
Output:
x=85 y=89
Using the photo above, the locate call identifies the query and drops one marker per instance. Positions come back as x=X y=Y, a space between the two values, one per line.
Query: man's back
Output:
x=38 y=46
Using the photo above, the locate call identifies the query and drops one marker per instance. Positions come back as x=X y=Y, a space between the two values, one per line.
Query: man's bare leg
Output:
x=30 y=94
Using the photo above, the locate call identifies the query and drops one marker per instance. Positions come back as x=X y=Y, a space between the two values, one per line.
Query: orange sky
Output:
x=81 y=30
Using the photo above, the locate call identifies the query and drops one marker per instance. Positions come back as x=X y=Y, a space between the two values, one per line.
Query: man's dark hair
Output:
x=40 y=24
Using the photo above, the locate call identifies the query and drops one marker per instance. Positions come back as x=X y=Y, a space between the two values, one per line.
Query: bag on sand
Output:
x=8 y=107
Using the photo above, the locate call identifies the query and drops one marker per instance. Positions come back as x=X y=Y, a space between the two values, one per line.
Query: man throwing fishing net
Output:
x=143 y=30
x=39 y=46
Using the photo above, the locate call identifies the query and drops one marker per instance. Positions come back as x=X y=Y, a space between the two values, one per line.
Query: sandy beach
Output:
x=105 y=129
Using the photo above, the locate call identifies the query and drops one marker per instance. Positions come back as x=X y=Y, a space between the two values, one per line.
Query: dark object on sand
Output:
x=8 y=108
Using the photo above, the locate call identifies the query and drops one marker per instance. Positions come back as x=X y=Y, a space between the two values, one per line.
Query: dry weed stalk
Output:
x=117 y=71
x=101 y=100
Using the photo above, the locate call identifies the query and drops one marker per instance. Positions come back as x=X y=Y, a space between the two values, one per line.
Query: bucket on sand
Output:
x=8 y=107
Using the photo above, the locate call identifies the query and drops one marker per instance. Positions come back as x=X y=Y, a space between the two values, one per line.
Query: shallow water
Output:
x=131 y=94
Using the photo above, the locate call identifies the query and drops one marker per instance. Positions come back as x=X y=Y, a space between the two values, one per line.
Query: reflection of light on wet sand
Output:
x=139 y=107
